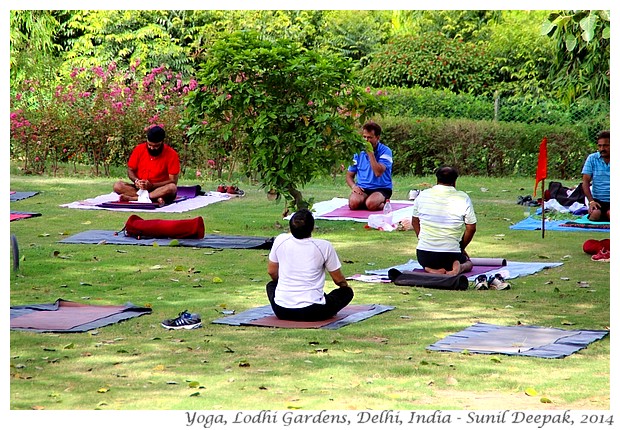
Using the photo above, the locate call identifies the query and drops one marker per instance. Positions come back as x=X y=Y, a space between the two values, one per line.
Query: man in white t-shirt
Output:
x=445 y=223
x=297 y=266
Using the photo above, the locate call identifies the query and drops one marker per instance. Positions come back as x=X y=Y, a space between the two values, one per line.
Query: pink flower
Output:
x=310 y=103
x=211 y=163
x=228 y=97
x=198 y=173
x=18 y=96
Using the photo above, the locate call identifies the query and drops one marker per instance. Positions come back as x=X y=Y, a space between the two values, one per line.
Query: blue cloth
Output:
x=531 y=223
x=362 y=168
x=599 y=171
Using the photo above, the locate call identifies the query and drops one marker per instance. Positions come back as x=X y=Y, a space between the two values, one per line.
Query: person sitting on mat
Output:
x=596 y=174
x=445 y=223
x=153 y=166
x=373 y=168
x=297 y=265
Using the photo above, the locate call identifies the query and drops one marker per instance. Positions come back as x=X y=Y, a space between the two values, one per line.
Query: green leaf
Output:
x=531 y=392
x=570 y=41
x=545 y=400
x=588 y=25
x=547 y=27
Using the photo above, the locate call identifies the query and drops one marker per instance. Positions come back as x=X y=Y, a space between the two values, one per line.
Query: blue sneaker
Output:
x=185 y=320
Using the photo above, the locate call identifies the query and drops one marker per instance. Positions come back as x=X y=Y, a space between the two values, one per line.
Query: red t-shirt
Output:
x=155 y=169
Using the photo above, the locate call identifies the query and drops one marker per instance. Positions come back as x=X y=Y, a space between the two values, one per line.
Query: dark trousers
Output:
x=334 y=301
x=439 y=260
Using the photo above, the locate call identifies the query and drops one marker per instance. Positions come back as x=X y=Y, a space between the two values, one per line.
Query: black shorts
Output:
x=439 y=260
x=387 y=192
x=604 y=208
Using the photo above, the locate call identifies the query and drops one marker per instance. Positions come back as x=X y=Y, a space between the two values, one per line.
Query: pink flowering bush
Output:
x=96 y=117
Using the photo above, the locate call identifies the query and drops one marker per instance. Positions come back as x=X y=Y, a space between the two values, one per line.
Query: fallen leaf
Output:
x=217 y=280
x=567 y=323
x=87 y=222
x=451 y=380
x=531 y=392
x=545 y=400
x=193 y=384
x=564 y=279
x=544 y=257
x=156 y=267
x=103 y=390
x=174 y=242
x=196 y=394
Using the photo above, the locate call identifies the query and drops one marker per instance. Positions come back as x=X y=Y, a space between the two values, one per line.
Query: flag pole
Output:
x=542 y=206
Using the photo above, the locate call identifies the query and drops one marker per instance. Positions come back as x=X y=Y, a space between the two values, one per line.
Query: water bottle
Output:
x=387 y=212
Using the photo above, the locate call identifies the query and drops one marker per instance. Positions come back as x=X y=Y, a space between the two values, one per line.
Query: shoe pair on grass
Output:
x=230 y=189
x=185 y=320
x=496 y=282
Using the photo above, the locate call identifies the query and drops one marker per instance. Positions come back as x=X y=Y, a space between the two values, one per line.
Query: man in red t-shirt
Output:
x=153 y=166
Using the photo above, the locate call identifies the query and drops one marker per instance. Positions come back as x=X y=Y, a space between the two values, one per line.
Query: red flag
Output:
x=541 y=171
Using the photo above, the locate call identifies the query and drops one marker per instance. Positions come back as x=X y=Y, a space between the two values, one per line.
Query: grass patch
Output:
x=380 y=363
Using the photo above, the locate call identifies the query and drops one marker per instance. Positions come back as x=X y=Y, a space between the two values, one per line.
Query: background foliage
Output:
x=513 y=67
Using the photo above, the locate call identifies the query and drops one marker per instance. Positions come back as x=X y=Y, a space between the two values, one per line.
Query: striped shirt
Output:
x=599 y=171
x=443 y=212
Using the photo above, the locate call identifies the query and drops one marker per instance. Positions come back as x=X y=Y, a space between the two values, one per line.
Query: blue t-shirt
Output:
x=598 y=170
x=365 y=176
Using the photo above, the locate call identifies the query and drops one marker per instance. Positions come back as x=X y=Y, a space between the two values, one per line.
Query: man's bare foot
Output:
x=435 y=271
x=456 y=269
x=127 y=198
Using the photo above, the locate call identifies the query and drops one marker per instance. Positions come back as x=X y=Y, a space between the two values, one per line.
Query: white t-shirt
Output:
x=443 y=212
x=301 y=269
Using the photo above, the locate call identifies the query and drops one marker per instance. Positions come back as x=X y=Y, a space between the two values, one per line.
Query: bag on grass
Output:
x=159 y=228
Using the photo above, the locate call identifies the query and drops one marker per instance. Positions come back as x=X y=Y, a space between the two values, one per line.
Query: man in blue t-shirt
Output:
x=596 y=175
x=373 y=168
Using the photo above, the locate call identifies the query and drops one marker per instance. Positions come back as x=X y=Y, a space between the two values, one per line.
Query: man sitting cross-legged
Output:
x=154 y=167
x=297 y=265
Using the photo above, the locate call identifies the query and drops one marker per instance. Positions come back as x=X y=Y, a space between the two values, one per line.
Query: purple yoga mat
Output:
x=344 y=211
x=475 y=271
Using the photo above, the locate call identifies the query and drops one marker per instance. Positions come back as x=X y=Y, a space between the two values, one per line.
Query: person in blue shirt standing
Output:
x=373 y=169
x=596 y=175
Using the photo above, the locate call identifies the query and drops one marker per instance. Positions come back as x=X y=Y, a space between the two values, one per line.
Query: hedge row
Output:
x=483 y=148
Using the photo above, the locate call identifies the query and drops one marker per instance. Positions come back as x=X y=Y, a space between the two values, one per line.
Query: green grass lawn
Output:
x=379 y=363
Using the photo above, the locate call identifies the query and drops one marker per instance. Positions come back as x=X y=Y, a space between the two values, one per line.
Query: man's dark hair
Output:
x=602 y=135
x=446 y=175
x=301 y=224
x=372 y=126
x=156 y=134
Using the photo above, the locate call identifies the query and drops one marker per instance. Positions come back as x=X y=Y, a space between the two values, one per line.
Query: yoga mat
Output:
x=138 y=205
x=67 y=316
x=182 y=206
x=16 y=216
x=337 y=209
x=512 y=269
x=109 y=237
x=475 y=271
x=20 y=195
x=530 y=223
x=263 y=316
x=531 y=341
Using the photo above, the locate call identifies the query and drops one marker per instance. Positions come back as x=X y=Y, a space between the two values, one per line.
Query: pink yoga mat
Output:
x=344 y=211
x=67 y=316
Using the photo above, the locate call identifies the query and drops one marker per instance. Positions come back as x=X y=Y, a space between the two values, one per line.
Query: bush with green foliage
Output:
x=291 y=113
x=485 y=148
x=430 y=60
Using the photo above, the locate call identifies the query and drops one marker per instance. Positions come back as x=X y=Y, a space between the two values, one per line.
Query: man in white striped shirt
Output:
x=445 y=223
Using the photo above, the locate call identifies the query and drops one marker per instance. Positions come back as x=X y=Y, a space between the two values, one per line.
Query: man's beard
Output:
x=155 y=152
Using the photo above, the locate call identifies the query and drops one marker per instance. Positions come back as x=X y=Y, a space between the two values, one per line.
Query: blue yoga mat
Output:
x=531 y=341
x=109 y=237
x=512 y=269
x=257 y=317
x=556 y=225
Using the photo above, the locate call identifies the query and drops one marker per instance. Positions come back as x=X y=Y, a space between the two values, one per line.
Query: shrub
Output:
x=485 y=148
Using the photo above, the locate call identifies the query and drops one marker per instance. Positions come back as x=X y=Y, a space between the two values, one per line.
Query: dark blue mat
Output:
x=531 y=341
x=108 y=237
x=256 y=316
x=20 y=195
x=552 y=225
